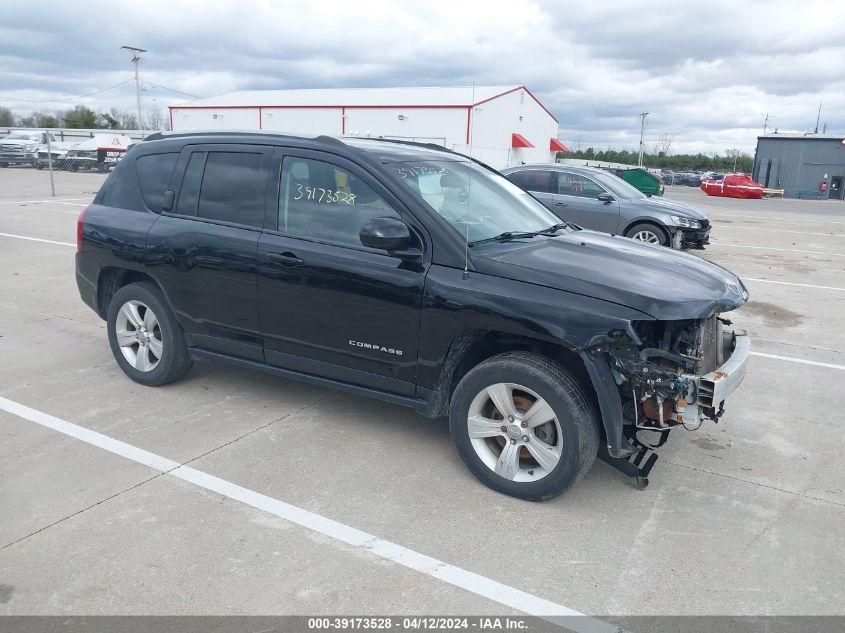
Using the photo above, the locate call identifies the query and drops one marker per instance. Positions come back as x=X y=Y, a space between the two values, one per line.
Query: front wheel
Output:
x=648 y=233
x=523 y=426
x=145 y=338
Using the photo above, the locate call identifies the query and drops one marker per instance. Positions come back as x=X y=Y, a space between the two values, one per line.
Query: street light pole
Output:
x=136 y=57
x=643 y=116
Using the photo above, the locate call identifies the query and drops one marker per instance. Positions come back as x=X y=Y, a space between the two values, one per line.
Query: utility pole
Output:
x=818 y=116
x=136 y=57
x=643 y=116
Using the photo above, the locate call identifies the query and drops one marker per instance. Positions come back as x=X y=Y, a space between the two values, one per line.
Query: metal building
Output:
x=502 y=125
x=803 y=165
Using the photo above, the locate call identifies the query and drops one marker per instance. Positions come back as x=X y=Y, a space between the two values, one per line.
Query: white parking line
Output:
x=59 y=201
x=772 y=248
x=789 y=283
x=36 y=239
x=754 y=228
x=462 y=578
x=767 y=218
x=802 y=361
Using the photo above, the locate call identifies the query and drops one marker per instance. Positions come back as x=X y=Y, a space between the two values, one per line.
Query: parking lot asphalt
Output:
x=743 y=517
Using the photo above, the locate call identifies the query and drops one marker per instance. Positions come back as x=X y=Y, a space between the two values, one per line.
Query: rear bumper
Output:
x=86 y=281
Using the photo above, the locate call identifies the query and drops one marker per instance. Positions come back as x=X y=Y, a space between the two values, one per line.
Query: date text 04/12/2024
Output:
x=414 y=623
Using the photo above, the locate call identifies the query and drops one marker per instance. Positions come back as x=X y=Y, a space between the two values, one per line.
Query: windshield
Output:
x=618 y=187
x=478 y=203
x=23 y=135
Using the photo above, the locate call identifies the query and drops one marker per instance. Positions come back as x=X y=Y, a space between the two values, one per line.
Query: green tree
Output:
x=81 y=117
x=7 y=117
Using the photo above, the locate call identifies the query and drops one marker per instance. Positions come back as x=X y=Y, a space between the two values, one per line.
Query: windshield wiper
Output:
x=513 y=235
x=504 y=237
x=553 y=229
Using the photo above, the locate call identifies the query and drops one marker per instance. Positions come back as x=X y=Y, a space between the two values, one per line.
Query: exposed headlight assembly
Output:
x=686 y=222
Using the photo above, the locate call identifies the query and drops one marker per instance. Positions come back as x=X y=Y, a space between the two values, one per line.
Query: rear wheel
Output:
x=145 y=338
x=648 y=233
x=523 y=426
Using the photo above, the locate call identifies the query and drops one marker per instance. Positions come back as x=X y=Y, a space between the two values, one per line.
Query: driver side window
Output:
x=321 y=201
x=575 y=185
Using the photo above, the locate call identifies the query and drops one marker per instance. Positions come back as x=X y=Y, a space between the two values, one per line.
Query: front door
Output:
x=580 y=194
x=329 y=305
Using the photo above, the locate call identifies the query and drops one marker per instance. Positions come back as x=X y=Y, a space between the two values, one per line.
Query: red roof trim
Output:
x=540 y=104
x=530 y=94
x=556 y=146
x=309 y=107
x=518 y=140
x=341 y=106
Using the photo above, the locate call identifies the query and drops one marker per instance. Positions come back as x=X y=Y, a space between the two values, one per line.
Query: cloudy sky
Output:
x=708 y=72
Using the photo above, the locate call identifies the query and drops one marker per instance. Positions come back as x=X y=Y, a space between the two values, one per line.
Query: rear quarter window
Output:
x=154 y=173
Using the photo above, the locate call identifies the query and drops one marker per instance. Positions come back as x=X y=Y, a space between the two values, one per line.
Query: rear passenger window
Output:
x=154 y=172
x=534 y=180
x=233 y=188
x=226 y=186
x=322 y=201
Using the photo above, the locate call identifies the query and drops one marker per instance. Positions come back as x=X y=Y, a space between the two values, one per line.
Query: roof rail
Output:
x=400 y=141
x=157 y=136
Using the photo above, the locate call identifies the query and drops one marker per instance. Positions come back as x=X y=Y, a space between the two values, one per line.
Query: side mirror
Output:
x=605 y=197
x=387 y=234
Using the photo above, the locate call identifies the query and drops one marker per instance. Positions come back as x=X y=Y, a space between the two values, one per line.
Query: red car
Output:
x=733 y=186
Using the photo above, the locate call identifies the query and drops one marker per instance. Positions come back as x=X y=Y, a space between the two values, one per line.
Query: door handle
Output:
x=561 y=204
x=285 y=259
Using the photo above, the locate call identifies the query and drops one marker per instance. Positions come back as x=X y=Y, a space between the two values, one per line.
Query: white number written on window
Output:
x=321 y=195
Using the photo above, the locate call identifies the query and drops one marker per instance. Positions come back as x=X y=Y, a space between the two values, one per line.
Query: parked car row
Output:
x=100 y=152
x=596 y=199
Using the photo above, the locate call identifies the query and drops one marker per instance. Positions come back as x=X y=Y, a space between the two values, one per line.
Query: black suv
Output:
x=415 y=275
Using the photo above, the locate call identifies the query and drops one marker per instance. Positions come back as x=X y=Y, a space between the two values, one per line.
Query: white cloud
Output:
x=707 y=73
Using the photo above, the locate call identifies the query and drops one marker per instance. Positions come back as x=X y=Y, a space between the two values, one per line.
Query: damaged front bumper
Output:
x=643 y=388
x=713 y=388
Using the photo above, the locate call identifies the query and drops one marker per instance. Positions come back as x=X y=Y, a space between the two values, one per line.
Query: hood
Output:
x=669 y=206
x=655 y=280
x=19 y=142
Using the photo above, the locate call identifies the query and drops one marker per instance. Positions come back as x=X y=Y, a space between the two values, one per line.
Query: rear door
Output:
x=203 y=248
x=580 y=195
x=329 y=305
x=542 y=183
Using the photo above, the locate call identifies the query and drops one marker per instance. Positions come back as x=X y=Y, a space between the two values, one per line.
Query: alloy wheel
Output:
x=515 y=432
x=646 y=236
x=139 y=335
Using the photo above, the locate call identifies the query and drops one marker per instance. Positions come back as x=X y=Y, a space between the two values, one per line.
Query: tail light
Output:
x=79 y=224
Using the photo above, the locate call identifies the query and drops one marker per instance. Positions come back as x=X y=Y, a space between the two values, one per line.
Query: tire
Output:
x=648 y=233
x=145 y=338
x=572 y=434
